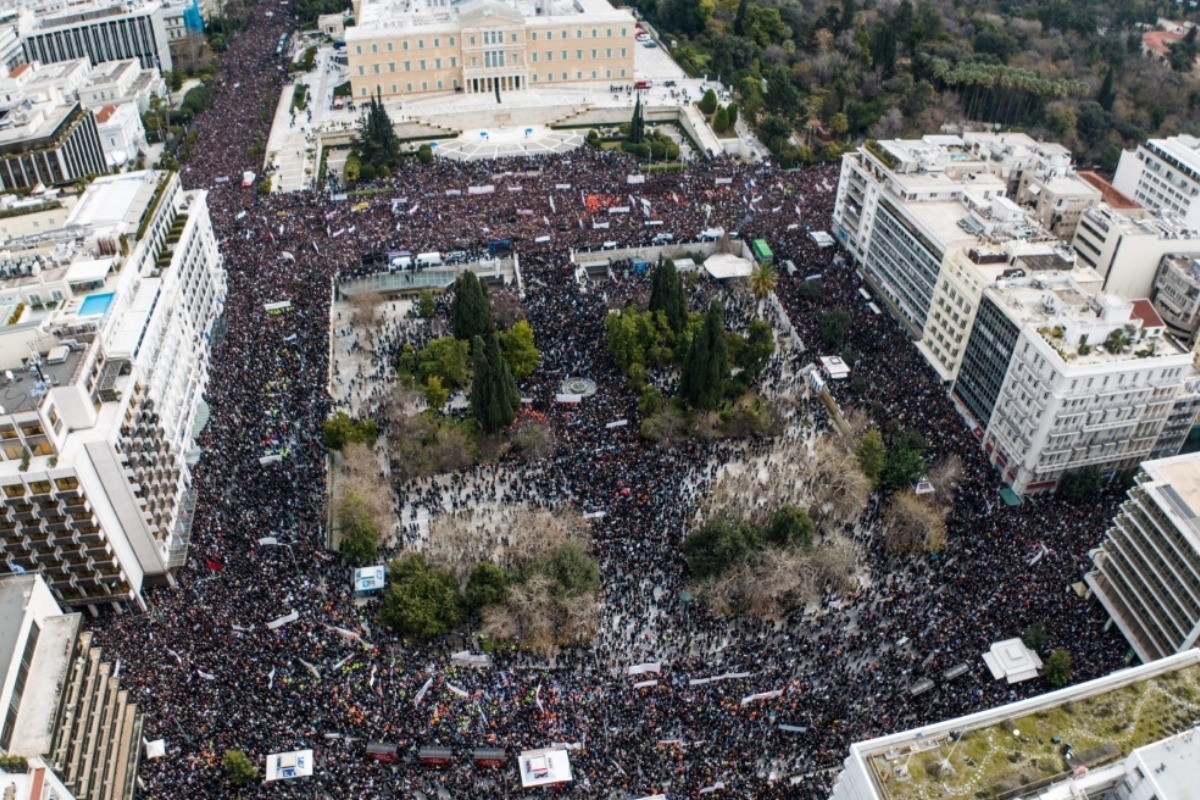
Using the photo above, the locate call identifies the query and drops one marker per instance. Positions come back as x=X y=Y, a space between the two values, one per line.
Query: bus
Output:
x=762 y=251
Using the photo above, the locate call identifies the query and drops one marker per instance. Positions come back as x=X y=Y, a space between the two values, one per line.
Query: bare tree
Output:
x=365 y=310
x=359 y=475
x=508 y=537
x=912 y=525
x=945 y=477
x=840 y=489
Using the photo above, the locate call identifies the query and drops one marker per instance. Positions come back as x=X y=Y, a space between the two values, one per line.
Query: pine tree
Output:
x=377 y=143
x=471 y=313
x=1107 y=95
x=666 y=295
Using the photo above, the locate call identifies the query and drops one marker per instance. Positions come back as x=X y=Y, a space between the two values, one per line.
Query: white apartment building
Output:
x=964 y=275
x=104 y=356
x=1147 y=571
x=122 y=134
x=1177 y=294
x=1056 y=746
x=1056 y=379
x=905 y=205
x=1126 y=246
x=101 y=30
x=1163 y=175
x=64 y=710
x=119 y=82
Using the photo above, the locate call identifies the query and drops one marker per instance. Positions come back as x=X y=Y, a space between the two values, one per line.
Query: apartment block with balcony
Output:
x=65 y=712
x=1147 y=571
x=1163 y=175
x=966 y=273
x=1177 y=294
x=401 y=49
x=1056 y=378
x=53 y=142
x=103 y=364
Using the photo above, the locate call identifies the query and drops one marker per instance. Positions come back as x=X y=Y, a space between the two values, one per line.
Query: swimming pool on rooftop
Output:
x=95 y=305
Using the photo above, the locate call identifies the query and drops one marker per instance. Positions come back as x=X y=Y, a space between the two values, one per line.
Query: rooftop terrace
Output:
x=1014 y=755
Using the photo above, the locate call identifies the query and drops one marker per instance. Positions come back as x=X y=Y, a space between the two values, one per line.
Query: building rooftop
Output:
x=1139 y=222
x=1182 y=475
x=1108 y=192
x=39 y=704
x=1183 y=147
x=382 y=16
x=1002 y=751
x=14 y=598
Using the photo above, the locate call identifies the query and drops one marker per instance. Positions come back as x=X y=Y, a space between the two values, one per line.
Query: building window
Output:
x=389 y=46
x=453 y=63
x=595 y=33
x=533 y=58
x=374 y=47
x=439 y=84
x=409 y=89
x=361 y=70
x=437 y=64
x=421 y=65
x=391 y=66
x=437 y=42
x=595 y=54
x=533 y=36
x=358 y=49
x=404 y=45
x=549 y=56
x=408 y=66
x=420 y=44
x=375 y=67
x=363 y=91
x=472 y=40
x=452 y=41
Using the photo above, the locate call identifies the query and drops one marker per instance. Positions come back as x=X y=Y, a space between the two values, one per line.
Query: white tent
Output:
x=296 y=764
x=155 y=749
x=544 y=767
x=722 y=266
x=1012 y=660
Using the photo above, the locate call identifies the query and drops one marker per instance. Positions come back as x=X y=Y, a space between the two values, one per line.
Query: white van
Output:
x=429 y=259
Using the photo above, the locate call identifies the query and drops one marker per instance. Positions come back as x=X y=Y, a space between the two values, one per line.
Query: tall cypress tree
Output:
x=706 y=366
x=637 y=126
x=666 y=294
x=471 y=313
x=494 y=397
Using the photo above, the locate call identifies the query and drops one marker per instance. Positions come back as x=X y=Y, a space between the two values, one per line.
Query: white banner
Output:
x=635 y=179
x=487 y=189
x=568 y=398
x=456 y=690
x=762 y=696
x=515 y=188
x=620 y=423
x=563 y=187
x=595 y=515
x=618 y=210
x=454 y=192
x=599 y=226
x=284 y=620
x=721 y=181
x=649 y=666
x=714 y=788
x=644 y=684
x=421 y=694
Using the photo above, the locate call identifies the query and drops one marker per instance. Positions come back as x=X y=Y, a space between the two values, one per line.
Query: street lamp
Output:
x=271 y=541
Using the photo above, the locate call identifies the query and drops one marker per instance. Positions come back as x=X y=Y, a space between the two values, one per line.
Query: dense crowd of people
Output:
x=211 y=676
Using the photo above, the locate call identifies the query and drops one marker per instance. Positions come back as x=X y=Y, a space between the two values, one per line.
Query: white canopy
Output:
x=155 y=749
x=89 y=271
x=723 y=266
x=1012 y=660
x=544 y=767
x=296 y=764
x=369 y=579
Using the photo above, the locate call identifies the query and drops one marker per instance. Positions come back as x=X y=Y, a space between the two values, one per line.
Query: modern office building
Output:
x=51 y=143
x=1126 y=736
x=1125 y=247
x=398 y=48
x=1056 y=378
x=1147 y=571
x=101 y=30
x=65 y=712
x=1177 y=294
x=1163 y=175
x=104 y=355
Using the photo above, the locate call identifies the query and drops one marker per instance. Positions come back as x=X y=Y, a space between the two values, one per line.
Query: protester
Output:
x=212 y=677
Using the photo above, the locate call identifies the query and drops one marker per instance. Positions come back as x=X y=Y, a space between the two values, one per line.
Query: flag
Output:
x=213 y=564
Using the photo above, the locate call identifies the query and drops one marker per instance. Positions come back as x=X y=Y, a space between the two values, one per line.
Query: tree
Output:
x=1058 y=668
x=573 y=571
x=377 y=143
x=708 y=103
x=902 y=467
x=240 y=769
x=470 y=313
x=359 y=542
x=340 y=430
x=1107 y=94
x=757 y=350
x=436 y=393
x=637 y=125
x=720 y=122
x=446 y=359
x=871 y=455
x=666 y=294
x=790 y=526
x=1035 y=637
x=775 y=131
x=519 y=350
x=425 y=154
x=732 y=111
x=420 y=600
x=762 y=280
x=487 y=586
x=834 y=324
x=706 y=366
x=1079 y=487
x=426 y=305
x=494 y=397
x=717 y=545
x=913 y=526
